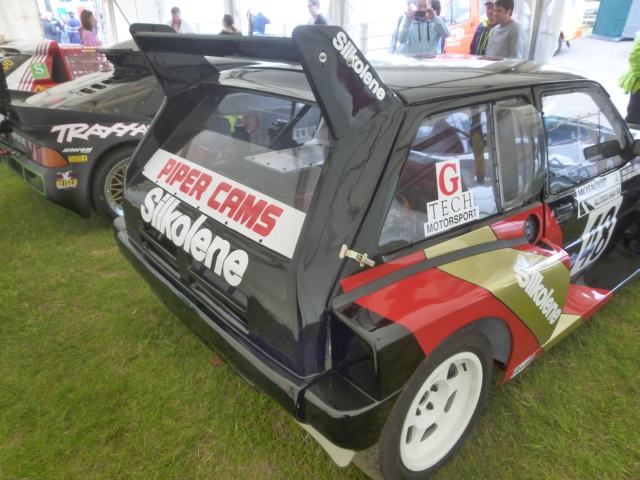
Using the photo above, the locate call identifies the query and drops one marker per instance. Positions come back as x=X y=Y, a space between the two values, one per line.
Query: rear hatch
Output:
x=252 y=176
x=222 y=204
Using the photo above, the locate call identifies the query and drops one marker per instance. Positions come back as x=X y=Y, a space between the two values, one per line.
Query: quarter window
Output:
x=573 y=122
x=447 y=180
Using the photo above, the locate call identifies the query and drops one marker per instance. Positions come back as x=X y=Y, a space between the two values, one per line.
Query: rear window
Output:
x=274 y=145
x=248 y=161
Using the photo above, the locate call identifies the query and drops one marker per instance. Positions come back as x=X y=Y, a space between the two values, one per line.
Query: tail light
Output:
x=47 y=157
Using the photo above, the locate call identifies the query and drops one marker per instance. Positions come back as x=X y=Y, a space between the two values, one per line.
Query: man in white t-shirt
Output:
x=178 y=23
x=505 y=39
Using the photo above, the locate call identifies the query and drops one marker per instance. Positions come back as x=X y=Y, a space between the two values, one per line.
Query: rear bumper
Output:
x=63 y=185
x=337 y=409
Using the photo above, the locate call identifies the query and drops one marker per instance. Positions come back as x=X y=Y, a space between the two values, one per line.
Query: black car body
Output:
x=340 y=300
x=71 y=143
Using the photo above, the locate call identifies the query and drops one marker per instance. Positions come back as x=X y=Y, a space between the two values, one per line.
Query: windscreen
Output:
x=251 y=163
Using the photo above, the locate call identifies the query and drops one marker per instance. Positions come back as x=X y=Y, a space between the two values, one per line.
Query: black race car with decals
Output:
x=72 y=143
x=364 y=241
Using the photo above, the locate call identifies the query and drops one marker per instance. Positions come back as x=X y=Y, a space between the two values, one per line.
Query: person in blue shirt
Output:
x=423 y=31
x=73 y=28
x=259 y=23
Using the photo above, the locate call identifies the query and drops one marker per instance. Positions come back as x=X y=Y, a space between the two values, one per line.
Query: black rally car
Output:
x=72 y=143
x=363 y=243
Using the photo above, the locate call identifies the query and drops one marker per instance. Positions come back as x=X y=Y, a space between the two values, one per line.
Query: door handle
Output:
x=564 y=211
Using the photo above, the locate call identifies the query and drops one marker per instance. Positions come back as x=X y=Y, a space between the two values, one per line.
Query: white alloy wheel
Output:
x=441 y=411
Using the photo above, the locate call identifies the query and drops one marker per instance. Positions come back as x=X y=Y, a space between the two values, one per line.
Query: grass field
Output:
x=99 y=380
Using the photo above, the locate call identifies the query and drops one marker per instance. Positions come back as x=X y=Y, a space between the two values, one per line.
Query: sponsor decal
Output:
x=630 y=170
x=19 y=140
x=82 y=131
x=7 y=64
x=600 y=191
x=82 y=150
x=531 y=282
x=78 y=158
x=249 y=212
x=454 y=206
x=161 y=211
x=349 y=52
x=39 y=71
x=596 y=235
x=528 y=361
x=66 y=180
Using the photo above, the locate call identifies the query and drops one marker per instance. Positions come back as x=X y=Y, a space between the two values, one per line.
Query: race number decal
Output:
x=597 y=234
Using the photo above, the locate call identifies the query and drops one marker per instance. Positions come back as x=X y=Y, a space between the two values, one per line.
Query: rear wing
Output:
x=348 y=89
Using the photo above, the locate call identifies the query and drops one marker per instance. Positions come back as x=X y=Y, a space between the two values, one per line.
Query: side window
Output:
x=572 y=122
x=447 y=180
x=519 y=135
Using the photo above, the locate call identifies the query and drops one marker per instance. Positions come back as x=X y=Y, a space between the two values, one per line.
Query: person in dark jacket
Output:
x=481 y=37
x=316 y=17
x=227 y=26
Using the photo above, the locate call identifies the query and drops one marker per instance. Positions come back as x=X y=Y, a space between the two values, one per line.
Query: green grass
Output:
x=99 y=380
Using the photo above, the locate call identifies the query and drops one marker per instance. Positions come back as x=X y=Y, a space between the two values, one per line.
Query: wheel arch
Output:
x=125 y=145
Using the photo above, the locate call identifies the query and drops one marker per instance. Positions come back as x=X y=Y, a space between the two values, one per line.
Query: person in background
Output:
x=481 y=37
x=73 y=28
x=260 y=21
x=505 y=39
x=87 y=34
x=51 y=28
x=227 y=26
x=630 y=82
x=423 y=31
x=316 y=17
x=435 y=4
x=178 y=23
x=396 y=47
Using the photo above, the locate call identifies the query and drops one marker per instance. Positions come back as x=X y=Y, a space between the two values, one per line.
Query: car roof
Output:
x=414 y=80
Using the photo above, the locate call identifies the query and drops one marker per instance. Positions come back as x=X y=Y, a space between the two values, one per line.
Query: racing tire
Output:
x=107 y=185
x=437 y=409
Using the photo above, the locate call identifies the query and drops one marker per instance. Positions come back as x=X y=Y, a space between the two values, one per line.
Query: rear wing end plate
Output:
x=346 y=86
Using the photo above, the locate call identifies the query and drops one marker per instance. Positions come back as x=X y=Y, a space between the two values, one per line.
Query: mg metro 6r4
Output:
x=363 y=242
